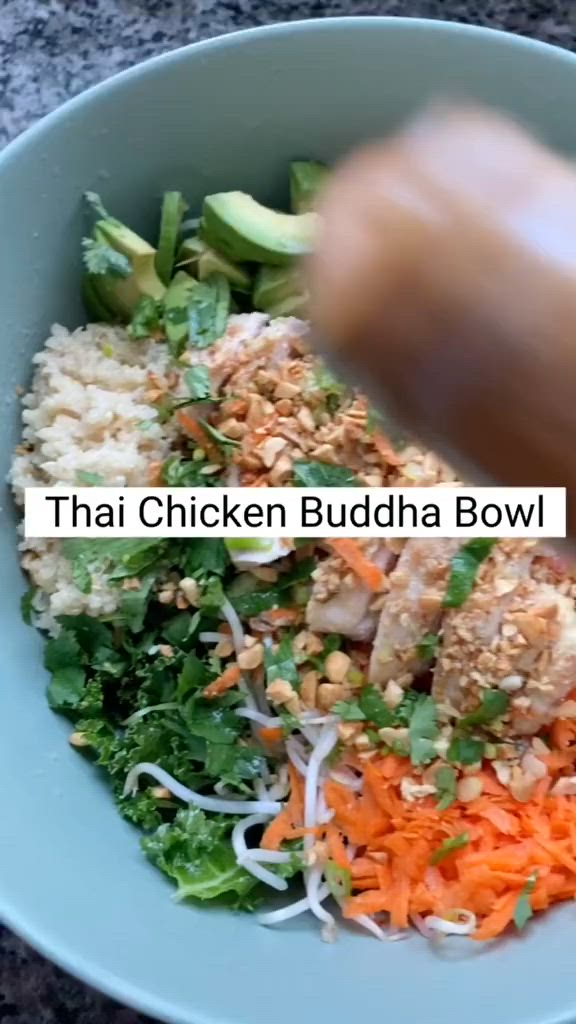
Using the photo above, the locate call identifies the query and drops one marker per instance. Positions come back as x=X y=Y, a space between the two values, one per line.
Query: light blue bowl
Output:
x=229 y=113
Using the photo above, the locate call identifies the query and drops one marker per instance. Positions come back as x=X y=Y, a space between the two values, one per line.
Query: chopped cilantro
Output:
x=523 y=911
x=446 y=786
x=147 y=318
x=101 y=258
x=450 y=846
x=221 y=440
x=423 y=729
x=349 y=711
x=84 y=479
x=208 y=310
x=494 y=704
x=322 y=474
x=465 y=750
x=374 y=708
x=339 y=881
x=198 y=382
x=464 y=569
x=281 y=663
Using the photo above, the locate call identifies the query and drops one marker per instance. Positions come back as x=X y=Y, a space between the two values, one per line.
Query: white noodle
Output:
x=212 y=638
x=347 y=778
x=370 y=925
x=326 y=742
x=295 y=752
x=233 y=621
x=313 y=883
x=460 y=927
x=268 y=856
x=146 y=711
x=268 y=721
x=324 y=813
x=292 y=910
x=189 y=796
x=243 y=854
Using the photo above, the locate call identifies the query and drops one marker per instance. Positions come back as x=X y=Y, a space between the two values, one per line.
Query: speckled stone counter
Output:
x=52 y=49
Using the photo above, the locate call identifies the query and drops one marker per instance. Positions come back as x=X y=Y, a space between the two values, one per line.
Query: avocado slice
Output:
x=242 y=229
x=293 y=305
x=273 y=285
x=176 y=304
x=207 y=261
x=173 y=209
x=307 y=177
x=120 y=295
x=95 y=306
x=140 y=253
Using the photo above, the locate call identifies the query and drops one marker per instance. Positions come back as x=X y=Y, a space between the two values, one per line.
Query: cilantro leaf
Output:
x=465 y=750
x=464 y=569
x=208 y=310
x=199 y=383
x=281 y=663
x=322 y=474
x=249 y=597
x=196 y=852
x=339 y=881
x=349 y=711
x=147 y=318
x=101 y=258
x=374 y=708
x=423 y=729
x=428 y=647
x=97 y=206
x=180 y=472
x=84 y=479
x=220 y=439
x=446 y=786
x=494 y=704
x=448 y=847
x=523 y=911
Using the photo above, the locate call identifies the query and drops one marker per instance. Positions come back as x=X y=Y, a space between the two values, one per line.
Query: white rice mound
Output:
x=87 y=412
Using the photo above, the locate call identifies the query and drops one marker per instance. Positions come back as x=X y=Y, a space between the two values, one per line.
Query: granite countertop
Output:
x=52 y=49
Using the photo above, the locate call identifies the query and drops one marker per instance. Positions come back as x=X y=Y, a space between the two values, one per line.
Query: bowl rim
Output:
x=45 y=941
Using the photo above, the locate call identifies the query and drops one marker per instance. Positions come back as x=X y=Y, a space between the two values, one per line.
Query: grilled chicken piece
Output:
x=340 y=603
x=515 y=632
x=412 y=608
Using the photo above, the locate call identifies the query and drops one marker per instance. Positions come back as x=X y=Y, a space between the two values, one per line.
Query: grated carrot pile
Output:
x=396 y=840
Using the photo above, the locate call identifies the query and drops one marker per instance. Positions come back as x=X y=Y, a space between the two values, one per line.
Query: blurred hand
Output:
x=445 y=284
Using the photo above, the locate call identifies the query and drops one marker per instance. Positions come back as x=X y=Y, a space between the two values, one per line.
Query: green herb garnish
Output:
x=449 y=846
x=523 y=911
x=323 y=474
x=494 y=704
x=464 y=569
x=446 y=780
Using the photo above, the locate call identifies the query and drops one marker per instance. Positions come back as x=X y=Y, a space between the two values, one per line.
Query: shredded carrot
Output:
x=270 y=734
x=281 y=616
x=198 y=434
x=351 y=553
x=389 y=843
x=226 y=681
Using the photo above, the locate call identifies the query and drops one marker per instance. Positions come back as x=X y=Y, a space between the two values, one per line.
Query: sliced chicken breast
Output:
x=340 y=602
x=412 y=608
x=515 y=632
